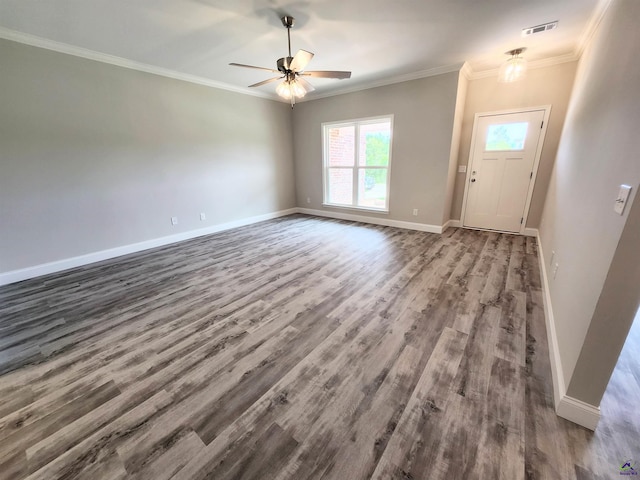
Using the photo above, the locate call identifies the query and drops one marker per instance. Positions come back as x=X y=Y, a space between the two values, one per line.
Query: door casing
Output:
x=536 y=163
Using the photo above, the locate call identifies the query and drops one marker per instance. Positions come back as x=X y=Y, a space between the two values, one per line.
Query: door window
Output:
x=506 y=136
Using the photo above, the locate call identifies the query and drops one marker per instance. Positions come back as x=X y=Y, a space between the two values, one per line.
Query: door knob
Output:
x=473 y=180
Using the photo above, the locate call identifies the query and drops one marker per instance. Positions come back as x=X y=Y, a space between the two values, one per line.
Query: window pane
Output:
x=506 y=136
x=372 y=187
x=341 y=186
x=375 y=140
x=342 y=146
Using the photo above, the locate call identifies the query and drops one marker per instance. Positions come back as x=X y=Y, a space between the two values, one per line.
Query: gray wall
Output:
x=596 y=290
x=95 y=156
x=541 y=86
x=423 y=127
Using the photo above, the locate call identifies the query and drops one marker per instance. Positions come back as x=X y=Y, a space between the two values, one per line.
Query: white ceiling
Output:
x=378 y=40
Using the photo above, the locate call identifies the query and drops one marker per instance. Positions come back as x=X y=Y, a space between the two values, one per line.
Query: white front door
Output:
x=501 y=171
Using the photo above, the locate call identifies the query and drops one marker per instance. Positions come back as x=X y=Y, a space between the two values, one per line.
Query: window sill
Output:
x=360 y=209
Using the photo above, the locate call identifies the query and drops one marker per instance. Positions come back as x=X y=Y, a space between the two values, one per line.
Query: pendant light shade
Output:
x=514 y=68
x=291 y=88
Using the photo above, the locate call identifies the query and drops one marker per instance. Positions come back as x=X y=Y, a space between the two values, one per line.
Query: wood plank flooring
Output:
x=298 y=348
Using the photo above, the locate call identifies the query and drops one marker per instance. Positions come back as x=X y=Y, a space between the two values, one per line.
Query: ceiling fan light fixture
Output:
x=290 y=88
x=514 y=68
x=297 y=89
x=284 y=90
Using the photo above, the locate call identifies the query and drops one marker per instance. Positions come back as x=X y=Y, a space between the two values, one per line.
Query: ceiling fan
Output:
x=291 y=70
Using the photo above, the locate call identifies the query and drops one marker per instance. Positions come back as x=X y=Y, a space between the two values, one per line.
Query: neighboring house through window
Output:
x=357 y=163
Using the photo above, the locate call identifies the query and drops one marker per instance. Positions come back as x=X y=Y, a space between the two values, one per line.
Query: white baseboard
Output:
x=579 y=412
x=93 y=257
x=422 y=227
x=559 y=388
x=452 y=224
x=67 y=263
x=566 y=407
x=527 y=232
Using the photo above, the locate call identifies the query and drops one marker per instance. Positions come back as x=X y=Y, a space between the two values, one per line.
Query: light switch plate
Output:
x=621 y=201
x=462 y=168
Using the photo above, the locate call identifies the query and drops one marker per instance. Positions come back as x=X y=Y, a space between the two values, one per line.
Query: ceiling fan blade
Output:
x=306 y=85
x=253 y=66
x=264 y=82
x=300 y=61
x=327 y=74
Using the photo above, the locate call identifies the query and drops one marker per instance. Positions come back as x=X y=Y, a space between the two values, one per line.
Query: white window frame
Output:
x=325 y=161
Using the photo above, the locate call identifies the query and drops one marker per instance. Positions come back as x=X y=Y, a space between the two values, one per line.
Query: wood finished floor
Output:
x=299 y=348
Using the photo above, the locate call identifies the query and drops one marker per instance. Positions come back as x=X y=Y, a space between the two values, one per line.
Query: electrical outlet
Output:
x=174 y=220
x=415 y=212
x=203 y=216
x=308 y=199
x=462 y=169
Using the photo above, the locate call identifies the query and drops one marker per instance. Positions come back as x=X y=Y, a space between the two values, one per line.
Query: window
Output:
x=506 y=136
x=357 y=162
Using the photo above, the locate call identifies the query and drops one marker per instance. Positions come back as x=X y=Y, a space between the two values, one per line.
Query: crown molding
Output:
x=592 y=27
x=542 y=63
x=387 y=81
x=85 y=53
x=466 y=70
x=60 y=47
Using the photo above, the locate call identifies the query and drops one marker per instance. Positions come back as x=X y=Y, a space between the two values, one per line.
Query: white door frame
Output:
x=536 y=163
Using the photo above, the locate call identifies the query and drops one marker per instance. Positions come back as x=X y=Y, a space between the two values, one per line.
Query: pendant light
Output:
x=514 y=68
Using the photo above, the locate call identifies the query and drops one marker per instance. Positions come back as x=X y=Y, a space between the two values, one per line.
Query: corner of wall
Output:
x=578 y=412
x=461 y=97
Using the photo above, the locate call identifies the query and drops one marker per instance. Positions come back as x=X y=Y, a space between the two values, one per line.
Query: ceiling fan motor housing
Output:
x=288 y=21
x=284 y=64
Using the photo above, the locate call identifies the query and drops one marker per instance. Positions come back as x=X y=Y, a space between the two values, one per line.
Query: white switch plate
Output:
x=462 y=169
x=174 y=220
x=203 y=216
x=415 y=212
x=621 y=201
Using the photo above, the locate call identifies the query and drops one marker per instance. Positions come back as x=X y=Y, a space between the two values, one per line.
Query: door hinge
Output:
x=530 y=175
x=521 y=220
x=541 y=124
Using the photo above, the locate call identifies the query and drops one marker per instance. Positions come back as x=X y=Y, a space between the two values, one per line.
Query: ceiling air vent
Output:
x=539 y=28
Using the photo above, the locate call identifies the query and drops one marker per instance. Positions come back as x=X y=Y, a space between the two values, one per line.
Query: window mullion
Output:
x=356 y=193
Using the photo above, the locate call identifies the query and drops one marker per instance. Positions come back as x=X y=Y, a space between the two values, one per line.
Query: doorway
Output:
x=621 y=400
x=503 y=162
